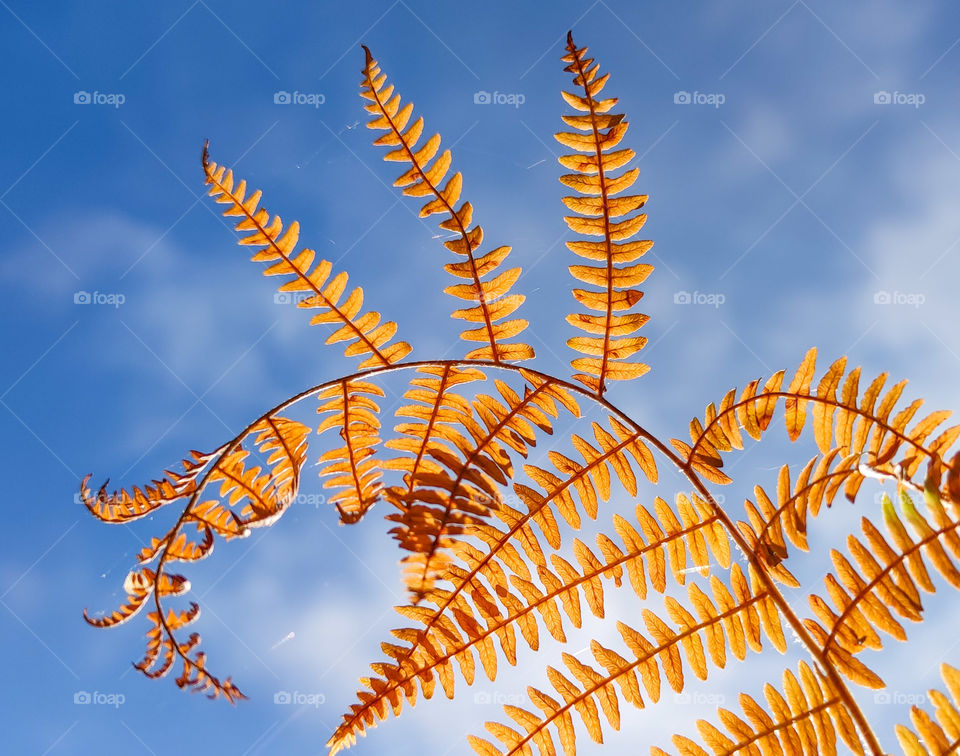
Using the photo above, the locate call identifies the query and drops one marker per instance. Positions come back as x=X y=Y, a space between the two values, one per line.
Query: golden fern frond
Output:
x=611 y=339
x=123 y=506
x=365 y=334
x=266 y=494
x=739 y=616
x=504 y=598
x=864 y=429
x=883 y=580
x=423 y=179
x=803 y=720
x=771 y=520
x=938 y=737
x=460 y=488
x=352 y=469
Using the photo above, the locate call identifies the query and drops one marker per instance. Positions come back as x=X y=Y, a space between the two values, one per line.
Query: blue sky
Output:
x=819 y=213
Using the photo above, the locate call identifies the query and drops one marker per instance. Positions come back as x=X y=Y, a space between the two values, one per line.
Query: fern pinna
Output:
x=488 y=580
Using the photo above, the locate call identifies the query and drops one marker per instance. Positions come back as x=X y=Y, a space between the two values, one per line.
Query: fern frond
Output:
x=883 y=580
x=123 y=506
x=803 y=720
x=931 y=737
x=267 y=493
x=504 y=599
x=774 y=521
x=460 y=486
x=865 y=429
x=611 y=339
x=741 y=611
x=352 y=469
x=365 y=334
x=491 y=296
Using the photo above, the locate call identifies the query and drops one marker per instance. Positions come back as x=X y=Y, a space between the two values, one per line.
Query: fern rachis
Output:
x=481 y=571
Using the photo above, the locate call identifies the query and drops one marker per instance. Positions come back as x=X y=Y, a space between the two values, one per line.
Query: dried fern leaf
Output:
x=774 y=520
x=365 y=335
x=487 y=288
x=883 y=581
x=804 y=719
x=459 y=473
x=586 y=692
x=265 y=492
x=123 y=506
x=504 y=599
x=611 y=338
x=352 y=469
x=853 y=423
x=939 y=736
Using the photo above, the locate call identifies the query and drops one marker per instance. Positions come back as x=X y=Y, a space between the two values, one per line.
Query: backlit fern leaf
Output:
x=742 y=612
x=265 y=495
x=865 y=429
x=352 y=469
x=123 y=506
x=504 y=599
x=884 y=579
x=456 y=482
x=611 y=341
x=491 y=296
x=802 y=720
x=929 y=737
x=366 y=335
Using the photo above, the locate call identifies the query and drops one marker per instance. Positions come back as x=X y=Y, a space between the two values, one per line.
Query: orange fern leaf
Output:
x=803 y=720
x=883 y=580
x=454 y=630
x=611 y=339
x=461 y=489
x=741 y=611
x=942 y=735
x=365 y=334
x=424 y=179
x=352 y=468
x=123 y=506
x=864 y=429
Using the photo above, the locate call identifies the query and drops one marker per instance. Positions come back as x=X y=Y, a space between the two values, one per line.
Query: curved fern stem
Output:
x=818 y=654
